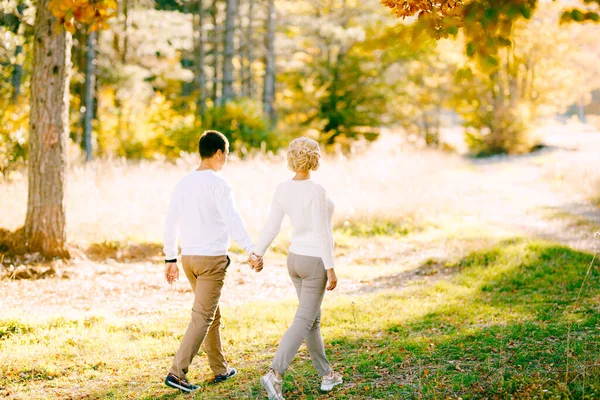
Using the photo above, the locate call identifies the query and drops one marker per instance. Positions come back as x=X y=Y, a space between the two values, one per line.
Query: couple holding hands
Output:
x=203 y=216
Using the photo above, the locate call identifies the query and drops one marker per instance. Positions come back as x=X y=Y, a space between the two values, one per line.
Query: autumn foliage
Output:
x=589 y=10
x=93 y=13
x=409 y=8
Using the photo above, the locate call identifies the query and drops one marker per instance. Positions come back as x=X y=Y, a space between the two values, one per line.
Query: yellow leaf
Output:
x=70 y=27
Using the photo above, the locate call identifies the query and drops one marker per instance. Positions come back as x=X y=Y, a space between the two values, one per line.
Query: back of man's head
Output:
x=211 y=142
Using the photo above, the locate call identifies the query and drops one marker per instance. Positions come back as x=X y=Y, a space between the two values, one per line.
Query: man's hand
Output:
x=171 y=272
x=331 y=279
x=256 y=262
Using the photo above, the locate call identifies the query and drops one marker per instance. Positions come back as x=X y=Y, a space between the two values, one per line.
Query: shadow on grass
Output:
x=504 y=337
x=429 y=272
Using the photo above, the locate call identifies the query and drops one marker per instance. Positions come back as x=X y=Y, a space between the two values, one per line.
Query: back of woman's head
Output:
x=303 y=155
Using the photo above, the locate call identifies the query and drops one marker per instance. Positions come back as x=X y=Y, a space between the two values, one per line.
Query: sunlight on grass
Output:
x=369 y=226
x=496 y=326
x=113 y=200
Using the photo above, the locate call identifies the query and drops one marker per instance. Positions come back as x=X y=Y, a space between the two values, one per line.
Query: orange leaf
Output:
x=70 y=27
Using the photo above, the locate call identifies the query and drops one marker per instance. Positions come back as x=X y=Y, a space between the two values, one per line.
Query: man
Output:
x=203 y=215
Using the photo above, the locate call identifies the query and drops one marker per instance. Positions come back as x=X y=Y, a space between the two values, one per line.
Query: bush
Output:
x=506 y=130
x=143 y=131
x=160 y=129
x=245 y=125
x=494 y=123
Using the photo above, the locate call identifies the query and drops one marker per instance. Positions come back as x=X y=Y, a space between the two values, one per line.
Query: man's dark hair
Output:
x=210 y=142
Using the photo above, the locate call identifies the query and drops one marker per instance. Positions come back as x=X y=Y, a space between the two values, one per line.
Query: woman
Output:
x=310 y=263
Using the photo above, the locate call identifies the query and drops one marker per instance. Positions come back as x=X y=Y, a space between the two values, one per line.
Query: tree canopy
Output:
x=488 y=25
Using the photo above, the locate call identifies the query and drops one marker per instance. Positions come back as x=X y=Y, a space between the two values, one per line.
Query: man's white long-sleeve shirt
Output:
x=203 y=215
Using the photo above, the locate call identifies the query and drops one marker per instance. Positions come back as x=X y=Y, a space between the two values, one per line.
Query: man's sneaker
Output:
x=331 y=381
x=272 y=386
x=223 y=377
x=181 y=384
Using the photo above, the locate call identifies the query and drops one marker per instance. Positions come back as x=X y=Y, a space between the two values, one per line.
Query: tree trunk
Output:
x=243 y=42
x=125 y=31
x=187 y=61
x=45 y=223
x=250 y=51
x=90 y=85
x=215 y=49
x=200 y=76
x=334 y=125
x=78 y=63
x=17 y=73
x=228 y=46
x=269 y=84
x=581 y=109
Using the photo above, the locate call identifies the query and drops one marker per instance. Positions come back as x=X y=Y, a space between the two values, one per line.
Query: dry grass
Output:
x=118 y=201
x=581 y=174
x=579 y=168
x=115 y=206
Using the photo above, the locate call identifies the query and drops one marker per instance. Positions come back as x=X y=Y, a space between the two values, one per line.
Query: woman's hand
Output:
x=331 y=279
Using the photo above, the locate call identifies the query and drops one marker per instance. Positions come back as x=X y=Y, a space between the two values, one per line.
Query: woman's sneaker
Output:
x=331 y=381
x=272 y=386
x=182 y=384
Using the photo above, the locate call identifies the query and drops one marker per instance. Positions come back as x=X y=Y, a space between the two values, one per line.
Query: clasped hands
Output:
x=172 y=271
x=255 y=261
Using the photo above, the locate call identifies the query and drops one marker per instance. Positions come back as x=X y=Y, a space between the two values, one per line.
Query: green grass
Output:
x=496 y=328
x=377 y=226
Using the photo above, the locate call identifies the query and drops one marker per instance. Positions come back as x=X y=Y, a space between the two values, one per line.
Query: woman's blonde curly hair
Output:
x=303 y=154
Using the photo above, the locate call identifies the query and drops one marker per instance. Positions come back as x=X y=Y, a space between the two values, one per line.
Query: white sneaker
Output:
x=272 y=386
x=331 y=381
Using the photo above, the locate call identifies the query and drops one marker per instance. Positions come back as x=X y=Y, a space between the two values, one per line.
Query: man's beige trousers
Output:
x=206 y=275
